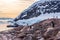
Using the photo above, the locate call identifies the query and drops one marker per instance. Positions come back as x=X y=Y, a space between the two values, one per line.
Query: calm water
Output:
x=3 y=24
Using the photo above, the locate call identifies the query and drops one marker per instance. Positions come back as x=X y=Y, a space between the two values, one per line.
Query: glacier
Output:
x=33 y=20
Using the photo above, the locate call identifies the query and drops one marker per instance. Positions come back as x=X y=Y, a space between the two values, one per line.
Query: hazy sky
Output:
x=11 y=8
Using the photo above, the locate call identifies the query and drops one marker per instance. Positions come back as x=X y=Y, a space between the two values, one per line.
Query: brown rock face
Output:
x=48 y=29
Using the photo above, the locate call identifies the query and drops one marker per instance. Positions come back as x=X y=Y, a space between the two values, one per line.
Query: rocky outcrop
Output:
x=48 y=29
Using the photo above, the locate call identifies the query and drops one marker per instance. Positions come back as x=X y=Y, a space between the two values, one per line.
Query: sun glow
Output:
x=12 y=8
x=10 y=1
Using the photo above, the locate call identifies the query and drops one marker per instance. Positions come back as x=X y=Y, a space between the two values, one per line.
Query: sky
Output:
x=12 y=8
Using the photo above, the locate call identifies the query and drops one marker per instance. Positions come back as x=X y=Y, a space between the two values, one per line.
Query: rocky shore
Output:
x=48 y=29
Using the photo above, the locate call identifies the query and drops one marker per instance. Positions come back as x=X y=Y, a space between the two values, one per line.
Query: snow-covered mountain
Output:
x=40 y=8
x=39 y=11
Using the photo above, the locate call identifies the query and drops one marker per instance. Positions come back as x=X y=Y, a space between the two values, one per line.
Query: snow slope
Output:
x=37 y=19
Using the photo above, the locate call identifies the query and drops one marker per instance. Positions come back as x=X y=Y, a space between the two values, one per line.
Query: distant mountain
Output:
x=6 y=18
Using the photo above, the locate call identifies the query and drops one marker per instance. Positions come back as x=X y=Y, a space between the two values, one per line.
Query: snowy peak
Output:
x=39 y=8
